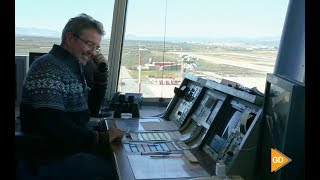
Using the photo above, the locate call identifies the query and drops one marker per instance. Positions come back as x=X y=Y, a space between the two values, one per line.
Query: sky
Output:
x=173 y=18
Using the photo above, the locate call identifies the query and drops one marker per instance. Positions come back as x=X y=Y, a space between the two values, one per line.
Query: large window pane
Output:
x=39 y=23
x=233 y=40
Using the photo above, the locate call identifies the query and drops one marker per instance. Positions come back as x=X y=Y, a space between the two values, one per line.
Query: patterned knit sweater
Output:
x=54 y=102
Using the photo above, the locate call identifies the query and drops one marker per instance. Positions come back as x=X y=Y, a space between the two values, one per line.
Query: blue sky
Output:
x=212 y=18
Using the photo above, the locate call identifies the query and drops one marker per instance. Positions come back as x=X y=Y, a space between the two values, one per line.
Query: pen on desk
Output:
x=156 y=153
x=161 y=152
x=146 y=131
x=147 y=141
x=165 y=156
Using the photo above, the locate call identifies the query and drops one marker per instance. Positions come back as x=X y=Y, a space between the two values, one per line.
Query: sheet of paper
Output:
x=128 y=124
x=159 y=126
x=148 y=167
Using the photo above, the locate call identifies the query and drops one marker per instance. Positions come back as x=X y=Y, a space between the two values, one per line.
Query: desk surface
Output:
x=136 y=166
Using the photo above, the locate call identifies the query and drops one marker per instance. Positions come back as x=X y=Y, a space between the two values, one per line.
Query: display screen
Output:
x=217 y=143
x=210 y=102
x=283 y=126
x=229 y=122
x=276 y=112
x=232 y=124
x=205 y=107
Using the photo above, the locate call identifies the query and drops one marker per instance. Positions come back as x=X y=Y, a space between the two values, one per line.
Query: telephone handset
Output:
x=114 y=99
x=185 y=125
x=194 y=131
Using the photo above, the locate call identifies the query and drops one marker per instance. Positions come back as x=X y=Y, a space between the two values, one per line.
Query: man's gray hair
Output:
x=79 y=23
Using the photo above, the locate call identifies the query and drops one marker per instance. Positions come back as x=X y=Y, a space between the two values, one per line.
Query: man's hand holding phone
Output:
x=101 y=62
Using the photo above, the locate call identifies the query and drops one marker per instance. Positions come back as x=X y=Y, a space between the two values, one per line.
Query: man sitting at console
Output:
x=54 y=106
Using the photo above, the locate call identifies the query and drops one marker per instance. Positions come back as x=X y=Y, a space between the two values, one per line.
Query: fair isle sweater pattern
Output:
x=51 y=83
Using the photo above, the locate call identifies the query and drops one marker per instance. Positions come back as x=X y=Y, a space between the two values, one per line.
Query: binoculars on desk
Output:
x=123 y=106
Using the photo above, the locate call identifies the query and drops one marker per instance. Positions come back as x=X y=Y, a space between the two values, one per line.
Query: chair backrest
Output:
x=24 y=147
x=34 y=56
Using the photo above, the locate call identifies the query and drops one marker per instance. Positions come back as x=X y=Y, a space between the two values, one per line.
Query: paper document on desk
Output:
x=159 y=126
x=219 y=178
x=128 y=124
x=173 y=166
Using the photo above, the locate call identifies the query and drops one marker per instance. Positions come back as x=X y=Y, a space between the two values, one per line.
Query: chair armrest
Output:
x=22 y=138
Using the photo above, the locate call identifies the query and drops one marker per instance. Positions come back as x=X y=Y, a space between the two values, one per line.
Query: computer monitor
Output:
x=22 y=64
x=33 y=56
x=283 y=126
x=235 y=119
x=234 y=138
x=21 y=68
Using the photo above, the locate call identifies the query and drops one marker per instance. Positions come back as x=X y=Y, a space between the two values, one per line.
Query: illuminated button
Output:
x=167 y=136
x=146 y=148
x=134 y=136
x=151 y=137
x=156 y=136
x=145 y=136
x=152 y=147
x=140 y=148
x=171 y=146
x=164 y=147
x=162 y=136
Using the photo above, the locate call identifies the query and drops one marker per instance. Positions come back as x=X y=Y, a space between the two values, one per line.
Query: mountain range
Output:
x=24 y=31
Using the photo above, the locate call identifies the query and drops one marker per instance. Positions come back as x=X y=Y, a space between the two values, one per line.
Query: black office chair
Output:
x=24 y=143
x=33 y=157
